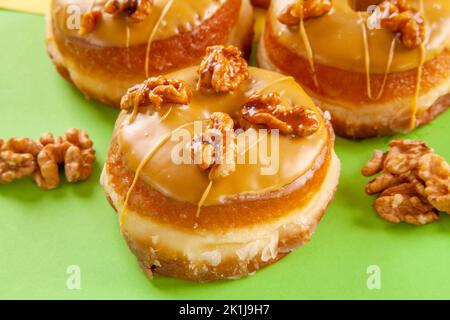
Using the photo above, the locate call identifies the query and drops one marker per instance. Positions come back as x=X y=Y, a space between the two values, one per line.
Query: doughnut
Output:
x=378 y=67
x=224 y=216
x=105 y=46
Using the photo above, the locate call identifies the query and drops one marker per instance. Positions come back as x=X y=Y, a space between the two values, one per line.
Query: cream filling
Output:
x=211 y=248
x=369 y=114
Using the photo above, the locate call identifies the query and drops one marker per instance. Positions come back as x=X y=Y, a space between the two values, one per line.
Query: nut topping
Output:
x=436 y=173
x=402 y=203
x=402 y=18
x=89 y=22
x=268 y=110
x=20 y=157
x=156 y=91
x=17 y=158
x=414 y=182
x=304 y=9
x=136 y=10
x=223 y=69
x=215 y=148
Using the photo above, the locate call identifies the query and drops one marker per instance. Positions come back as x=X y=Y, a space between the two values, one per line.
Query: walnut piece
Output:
x=302 y=10
x=52 y=155
x=402 y=203
x=215 y=148
x=79 y=157
x=402 y=18
x=268 y=110
x=435 y=172
x=17 y=158
x=404 y=155
x=223 y=69
x=136 y=10
x=414 y=182
x=20 y=157
x=89 y=22
x=155 y=91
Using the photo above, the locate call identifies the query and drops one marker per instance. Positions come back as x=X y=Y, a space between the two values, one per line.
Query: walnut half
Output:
x=413 y=182
x=268 y=110
x=17 y=158
x=304 y=9
x=215 y=148
x=223 y=69
x=155 y=91
x=135 y=10
x=74 y=152
x=402 y=18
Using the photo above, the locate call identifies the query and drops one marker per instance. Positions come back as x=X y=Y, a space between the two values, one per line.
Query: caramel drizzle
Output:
x=135 y=111
x=282 y=79
x=412 y=124
x=127 y=43
x=93 y=3
x=203 y=198
x=308 y=48
x=388 y=68
x=366 y=55
x=367 y=62
x=141 y=166
x=164 y=12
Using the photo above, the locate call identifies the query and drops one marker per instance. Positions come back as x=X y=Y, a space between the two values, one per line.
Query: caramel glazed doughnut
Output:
x=377 y=72
x=105 y=46
x=216 y=221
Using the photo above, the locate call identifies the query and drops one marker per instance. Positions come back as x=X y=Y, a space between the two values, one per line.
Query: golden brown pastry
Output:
x=224 y=216
x=105 y=46
x=376 y=72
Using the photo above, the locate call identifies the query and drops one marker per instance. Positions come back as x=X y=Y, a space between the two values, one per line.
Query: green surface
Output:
x=44 y=232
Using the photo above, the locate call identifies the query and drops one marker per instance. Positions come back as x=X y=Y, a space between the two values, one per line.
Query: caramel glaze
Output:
x=335 y=83
x=239 y=213
x=169 y=193
x=168 y=53
x=111 y=30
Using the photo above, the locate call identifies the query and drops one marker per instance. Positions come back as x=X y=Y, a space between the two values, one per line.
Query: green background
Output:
x=44 y=232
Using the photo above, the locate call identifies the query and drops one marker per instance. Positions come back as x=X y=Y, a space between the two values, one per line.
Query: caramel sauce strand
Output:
x=165 y=115
x=388 y=68
x=253 y=145
x=136 y=105
x=418 y=86
x=93 y=3
x=127 y=44
x=203 y=198
x=415 y=102
x=366 y=55
x=143 y=163
x=308 y=48
x=282 y=79
x=164 y=12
